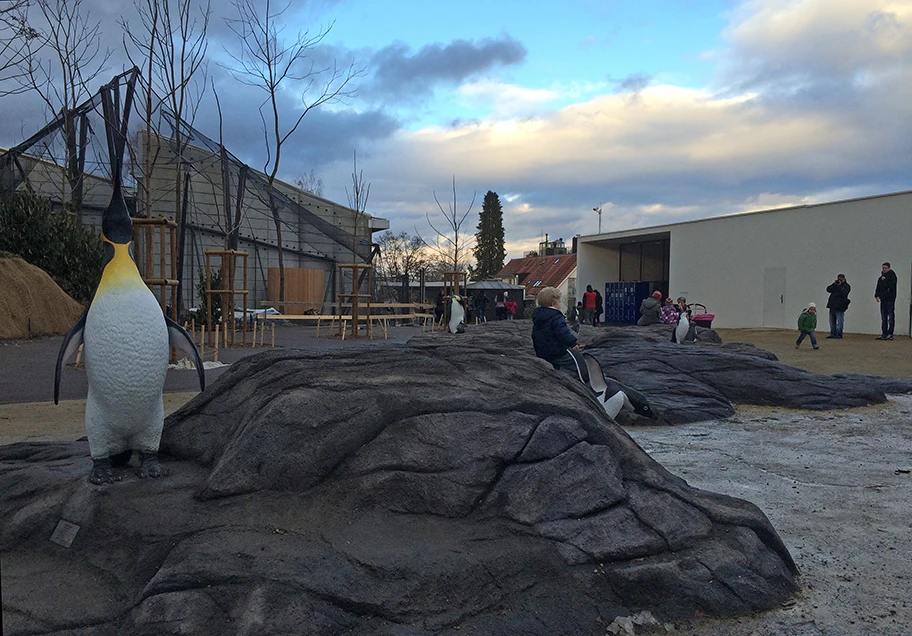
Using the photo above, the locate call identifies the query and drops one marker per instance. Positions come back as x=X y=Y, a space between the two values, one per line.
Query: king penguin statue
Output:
x=126 y=342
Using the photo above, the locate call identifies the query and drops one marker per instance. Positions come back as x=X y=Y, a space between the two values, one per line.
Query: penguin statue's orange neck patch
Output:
x=120 y=271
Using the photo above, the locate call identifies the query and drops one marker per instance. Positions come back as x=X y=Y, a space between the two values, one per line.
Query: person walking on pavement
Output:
x=886 y=296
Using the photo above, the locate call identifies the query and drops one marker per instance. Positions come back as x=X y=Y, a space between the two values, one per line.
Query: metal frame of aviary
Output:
x=216 y=200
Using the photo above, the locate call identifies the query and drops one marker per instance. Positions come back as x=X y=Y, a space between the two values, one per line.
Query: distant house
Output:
x=537 y=272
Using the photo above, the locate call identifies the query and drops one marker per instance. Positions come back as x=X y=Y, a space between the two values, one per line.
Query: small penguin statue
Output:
x=456 y=314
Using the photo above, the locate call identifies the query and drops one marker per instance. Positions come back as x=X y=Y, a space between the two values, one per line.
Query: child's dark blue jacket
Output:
x=551 y=336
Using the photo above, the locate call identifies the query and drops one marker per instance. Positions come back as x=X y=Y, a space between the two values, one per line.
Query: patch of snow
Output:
x=184 y=364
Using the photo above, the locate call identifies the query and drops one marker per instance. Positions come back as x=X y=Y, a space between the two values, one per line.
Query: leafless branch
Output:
x=451 y=245
x=269 y=62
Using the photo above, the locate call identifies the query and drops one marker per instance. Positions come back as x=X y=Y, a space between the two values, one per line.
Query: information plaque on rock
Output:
x=64 y=533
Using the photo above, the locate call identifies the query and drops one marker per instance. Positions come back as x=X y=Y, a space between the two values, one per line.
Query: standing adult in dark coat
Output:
x=837 y=304
x=599 y=308
x=481 y=303
x=886 y=296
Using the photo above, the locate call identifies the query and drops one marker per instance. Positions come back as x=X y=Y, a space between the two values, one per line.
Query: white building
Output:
x=761 y=269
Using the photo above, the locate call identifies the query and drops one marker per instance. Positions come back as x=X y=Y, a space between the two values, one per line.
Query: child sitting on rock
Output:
x=551 y=336
x=669 y=313
x=807 y=324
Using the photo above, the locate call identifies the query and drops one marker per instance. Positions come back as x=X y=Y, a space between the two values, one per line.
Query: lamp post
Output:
x=598 y=211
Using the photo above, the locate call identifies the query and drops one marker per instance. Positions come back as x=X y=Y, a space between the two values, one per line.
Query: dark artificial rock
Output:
x=703 y=380
x=453 y=483
x=456 y=483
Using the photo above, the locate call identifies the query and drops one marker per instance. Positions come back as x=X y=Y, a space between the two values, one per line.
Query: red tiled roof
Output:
x=537 y=272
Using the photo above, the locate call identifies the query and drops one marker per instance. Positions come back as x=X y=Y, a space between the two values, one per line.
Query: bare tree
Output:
x=310 y=183
x=171 y=44
x=451 y=247
x=400 y=257
x=357 y=201
x=75 y=59
x=401 y=254
x=268 y=62
x=16 y=37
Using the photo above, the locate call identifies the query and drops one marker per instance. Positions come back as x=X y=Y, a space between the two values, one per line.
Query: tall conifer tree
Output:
x=489 y=239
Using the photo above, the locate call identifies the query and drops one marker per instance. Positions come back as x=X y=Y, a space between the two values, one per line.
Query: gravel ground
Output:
x=837 y=486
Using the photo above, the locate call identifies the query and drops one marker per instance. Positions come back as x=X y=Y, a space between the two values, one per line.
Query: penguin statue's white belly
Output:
x=126 y=358
x=615 y=404
x=456 y=323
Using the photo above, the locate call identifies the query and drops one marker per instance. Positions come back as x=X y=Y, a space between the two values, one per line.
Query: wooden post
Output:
x=244 y=337
x=173 y=275
x=208 y=294
x=163 y=272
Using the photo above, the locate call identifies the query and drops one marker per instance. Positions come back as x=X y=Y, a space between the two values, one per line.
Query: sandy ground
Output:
x=836 y=485
x=854 y=353
x=65 y=422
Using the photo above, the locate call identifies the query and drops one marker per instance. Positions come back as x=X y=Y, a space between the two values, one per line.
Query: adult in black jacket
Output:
x=837 y=304
x=481 y=303
x=886 y=296
x=551 y=336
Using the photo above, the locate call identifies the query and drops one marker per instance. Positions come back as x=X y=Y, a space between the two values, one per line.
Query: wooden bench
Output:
x=414 y=313
x=424 y=319
x=382 y=321
x=317 y=318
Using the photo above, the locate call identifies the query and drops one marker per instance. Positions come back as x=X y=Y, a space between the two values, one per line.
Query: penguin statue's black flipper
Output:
x=180 y=339
x=68 y=349
x=582 y=370
x=596 y=377
x=691 y=332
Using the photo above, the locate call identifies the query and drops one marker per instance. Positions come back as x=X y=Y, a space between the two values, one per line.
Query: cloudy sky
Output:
x=655 y=110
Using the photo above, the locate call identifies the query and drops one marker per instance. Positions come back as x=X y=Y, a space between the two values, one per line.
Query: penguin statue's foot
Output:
x=103 y=472
x=149 y=466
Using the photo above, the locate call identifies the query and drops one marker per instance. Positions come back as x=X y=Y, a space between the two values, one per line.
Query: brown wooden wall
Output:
x=301 y=286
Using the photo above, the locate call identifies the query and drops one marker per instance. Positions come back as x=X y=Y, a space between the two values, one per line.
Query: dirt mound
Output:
x=31 y=303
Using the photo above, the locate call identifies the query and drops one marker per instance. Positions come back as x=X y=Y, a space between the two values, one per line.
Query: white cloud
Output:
x=505 y=100
x=667 y=130
x=815 y=39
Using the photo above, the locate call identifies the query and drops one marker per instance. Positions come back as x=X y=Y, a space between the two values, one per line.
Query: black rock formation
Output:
x=457 y=482
x=701 y=381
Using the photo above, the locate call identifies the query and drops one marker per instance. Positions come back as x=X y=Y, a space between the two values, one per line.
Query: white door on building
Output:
x=774 y=297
